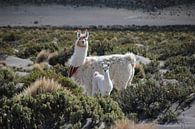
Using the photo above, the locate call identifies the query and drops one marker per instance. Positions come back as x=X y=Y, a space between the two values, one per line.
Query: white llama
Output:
x=101 y=82
x=80 y=52
x=82 y=67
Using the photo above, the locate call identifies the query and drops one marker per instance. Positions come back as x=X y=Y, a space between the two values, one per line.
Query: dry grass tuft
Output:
x=42 y=56
x=127 y=124
x=53 y=54
x=41 y=85
x=41 y=66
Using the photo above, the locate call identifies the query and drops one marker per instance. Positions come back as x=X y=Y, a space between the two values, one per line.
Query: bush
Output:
x=101 y=47
x=41 y=85
x=168 y=116
x=147 y=99
x=51 y=74
x=7 y=86
x=56 y=110
x=6 y=75
x=152 y=68
x=9 y=37
x=60 y=58
x=187 y=61
x=33 y=49
x=172 y=50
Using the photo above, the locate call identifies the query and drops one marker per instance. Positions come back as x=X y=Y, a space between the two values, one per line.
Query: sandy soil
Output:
x=58 y=15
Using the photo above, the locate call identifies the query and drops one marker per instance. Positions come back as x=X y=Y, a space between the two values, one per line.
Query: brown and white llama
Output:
x=82 y=68
x=80 y=52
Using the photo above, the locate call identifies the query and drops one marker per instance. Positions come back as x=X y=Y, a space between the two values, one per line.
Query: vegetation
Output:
x=169 y=78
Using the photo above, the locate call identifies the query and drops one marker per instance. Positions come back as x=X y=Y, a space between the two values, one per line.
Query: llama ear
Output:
x=78 y=34
x=86 y=34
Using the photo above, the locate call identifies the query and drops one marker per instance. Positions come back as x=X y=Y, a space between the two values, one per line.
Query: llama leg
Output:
x=131 y=76
x=94 y=88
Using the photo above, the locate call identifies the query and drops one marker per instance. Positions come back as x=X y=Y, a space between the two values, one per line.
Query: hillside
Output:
x=167 y=90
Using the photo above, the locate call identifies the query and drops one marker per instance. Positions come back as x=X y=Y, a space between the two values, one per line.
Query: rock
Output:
x=139 y=45
x=19 y=85
x=163 y=71
x=21 y=74
x=19 y=63
x=143 y=60
x=169 y=81
x=161 y=63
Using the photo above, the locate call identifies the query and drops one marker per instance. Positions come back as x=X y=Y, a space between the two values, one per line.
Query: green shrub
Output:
x=51 y=74
x=60 y=58
x=33 y=49
x=168 y=116
x=6 y=75
x=152 y=68
x=101 y=47
x=35 y=74
x=187 y=61
x=8 y=37
x=147 y=99
x=183 y=74
x=183 y=49
x=57 y=110
x=7 y=86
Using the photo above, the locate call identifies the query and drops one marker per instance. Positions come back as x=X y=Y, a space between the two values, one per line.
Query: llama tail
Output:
x=136 y=65
x=141 y=68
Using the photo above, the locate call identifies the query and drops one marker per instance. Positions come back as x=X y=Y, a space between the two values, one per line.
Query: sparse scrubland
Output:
x=170 y=79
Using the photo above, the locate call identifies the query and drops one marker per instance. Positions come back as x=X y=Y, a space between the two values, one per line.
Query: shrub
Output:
x=147 y=98
x=36 y=74
x=42 y=56
x=51 y=74
x=41 y=85
x=8 y=37
x=7 y=86
x=33 y=49
x=183 y=74
x=183 y=49
x=55 y=110
x=60 y=58
x=152 y=68
x=168 y=116
x=102 y=47
x=187 y=61
x=6 y=75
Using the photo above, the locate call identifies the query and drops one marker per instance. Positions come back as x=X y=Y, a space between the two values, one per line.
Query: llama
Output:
x=80 y=52
x=82 y=68
x=101 y=82
x=121 y=70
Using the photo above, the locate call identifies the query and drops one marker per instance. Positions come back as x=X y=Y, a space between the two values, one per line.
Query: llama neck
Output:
x=79 y=55
x=107 y=75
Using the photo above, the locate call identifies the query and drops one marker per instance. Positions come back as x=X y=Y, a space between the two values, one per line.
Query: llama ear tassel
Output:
x=78 y=33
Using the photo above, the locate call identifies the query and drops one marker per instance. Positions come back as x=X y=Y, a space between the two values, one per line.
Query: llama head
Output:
x=82 y=39
x=105 y=66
